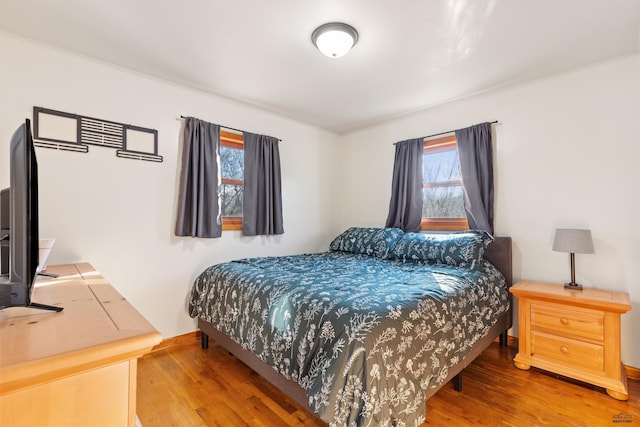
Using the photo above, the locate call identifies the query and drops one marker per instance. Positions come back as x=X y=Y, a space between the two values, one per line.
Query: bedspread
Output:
x=364 y=336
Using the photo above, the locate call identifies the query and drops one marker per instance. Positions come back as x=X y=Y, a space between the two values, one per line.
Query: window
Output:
x=232 y=177
x=443 y=198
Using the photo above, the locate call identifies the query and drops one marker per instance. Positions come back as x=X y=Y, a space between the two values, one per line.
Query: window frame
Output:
x=432 y=146
x=231 y=140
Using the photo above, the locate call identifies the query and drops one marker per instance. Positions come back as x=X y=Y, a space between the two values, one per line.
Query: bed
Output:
x=362 y=334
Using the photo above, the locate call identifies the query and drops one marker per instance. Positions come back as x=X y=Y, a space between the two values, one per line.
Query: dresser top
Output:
x=97 y=326
x=588 y=297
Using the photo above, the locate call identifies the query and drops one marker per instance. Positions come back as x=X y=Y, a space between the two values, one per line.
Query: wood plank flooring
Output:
x=185 y=386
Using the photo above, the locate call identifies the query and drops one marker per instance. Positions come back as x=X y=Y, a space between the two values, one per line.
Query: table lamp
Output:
x=573 y=241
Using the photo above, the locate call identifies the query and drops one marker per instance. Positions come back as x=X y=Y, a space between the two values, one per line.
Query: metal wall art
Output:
x=73 y=132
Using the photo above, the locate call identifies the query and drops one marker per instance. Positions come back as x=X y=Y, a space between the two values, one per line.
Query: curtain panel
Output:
x=198 y=199
x=475 y=151
x=405 y=207
x=262 y=199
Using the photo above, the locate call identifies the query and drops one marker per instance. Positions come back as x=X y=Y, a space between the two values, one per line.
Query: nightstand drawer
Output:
x=567 y=351
x=584 y=323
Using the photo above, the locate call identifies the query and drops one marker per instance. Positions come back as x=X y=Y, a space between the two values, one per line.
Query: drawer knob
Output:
x=564 y=349
x=564 y=320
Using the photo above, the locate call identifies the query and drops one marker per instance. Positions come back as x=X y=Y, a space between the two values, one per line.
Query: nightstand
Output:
x=572 y=333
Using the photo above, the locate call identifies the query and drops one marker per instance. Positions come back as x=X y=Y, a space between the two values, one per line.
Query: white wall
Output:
x=567 y=149
x=119 y=214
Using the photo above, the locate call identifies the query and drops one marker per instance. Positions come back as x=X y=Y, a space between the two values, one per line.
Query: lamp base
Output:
x=573 y=286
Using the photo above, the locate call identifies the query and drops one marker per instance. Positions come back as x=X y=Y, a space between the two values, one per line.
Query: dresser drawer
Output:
x=567 y=351
x=583 y=323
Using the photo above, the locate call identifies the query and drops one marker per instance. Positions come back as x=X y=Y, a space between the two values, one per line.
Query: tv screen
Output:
x=20 y=239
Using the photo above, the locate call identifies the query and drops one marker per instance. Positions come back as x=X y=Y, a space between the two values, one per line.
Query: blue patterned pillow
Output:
x=368 y=241
x=463 y=249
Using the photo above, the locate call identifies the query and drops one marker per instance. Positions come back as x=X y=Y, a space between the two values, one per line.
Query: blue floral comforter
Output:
x=365 y=337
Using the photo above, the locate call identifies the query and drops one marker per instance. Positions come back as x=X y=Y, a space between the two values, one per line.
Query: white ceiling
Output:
x=412 y=54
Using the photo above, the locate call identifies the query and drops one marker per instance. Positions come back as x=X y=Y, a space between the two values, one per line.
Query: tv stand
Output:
x=47 y=274
x=45 y=307
x=34 y=305
x=78 y=367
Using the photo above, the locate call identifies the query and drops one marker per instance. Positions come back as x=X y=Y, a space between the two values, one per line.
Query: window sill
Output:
x=231 y=223
x=444 y=224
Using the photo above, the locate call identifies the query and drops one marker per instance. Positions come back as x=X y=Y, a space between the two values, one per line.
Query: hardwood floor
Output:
x=183 y=385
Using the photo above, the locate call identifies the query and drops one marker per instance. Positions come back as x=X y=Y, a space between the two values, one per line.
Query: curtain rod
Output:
x=229 y=127
x=444 y=133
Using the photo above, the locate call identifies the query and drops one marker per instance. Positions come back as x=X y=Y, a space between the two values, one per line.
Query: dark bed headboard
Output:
x=498 y=253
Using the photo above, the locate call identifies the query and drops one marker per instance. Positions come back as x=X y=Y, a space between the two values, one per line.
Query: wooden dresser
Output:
x=76 y=367
x=572 y=333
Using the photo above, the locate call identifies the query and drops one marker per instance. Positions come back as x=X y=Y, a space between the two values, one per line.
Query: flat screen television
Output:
x=19 y=239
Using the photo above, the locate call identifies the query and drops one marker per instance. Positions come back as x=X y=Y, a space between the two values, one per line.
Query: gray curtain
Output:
x=405 y=208
x=198 y=203
x=476 y=164
x=262 y=199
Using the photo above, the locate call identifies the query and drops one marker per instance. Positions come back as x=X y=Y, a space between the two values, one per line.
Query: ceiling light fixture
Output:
x=334 y=39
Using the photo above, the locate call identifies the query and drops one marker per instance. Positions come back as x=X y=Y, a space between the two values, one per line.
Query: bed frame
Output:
x=498 y=253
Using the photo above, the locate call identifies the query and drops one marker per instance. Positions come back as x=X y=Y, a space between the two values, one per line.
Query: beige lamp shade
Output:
x=572 y=240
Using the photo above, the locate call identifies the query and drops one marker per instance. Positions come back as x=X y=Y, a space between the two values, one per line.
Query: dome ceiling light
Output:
x=334 y=39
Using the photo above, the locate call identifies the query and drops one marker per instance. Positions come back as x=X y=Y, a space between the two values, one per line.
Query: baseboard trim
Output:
x=188 y=338
x=633 y=373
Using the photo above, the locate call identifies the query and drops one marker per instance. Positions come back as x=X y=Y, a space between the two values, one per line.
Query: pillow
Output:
x=462 y=249
x=367 y=241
